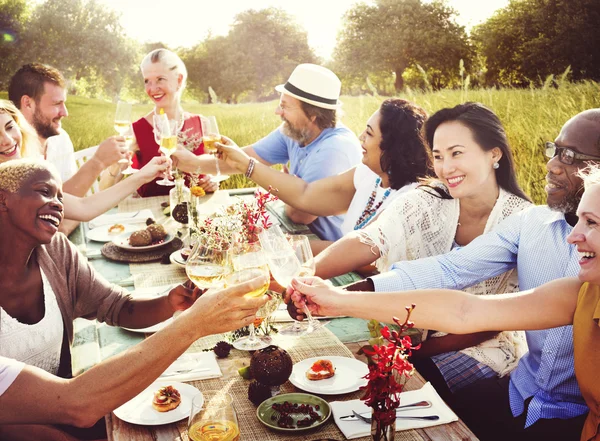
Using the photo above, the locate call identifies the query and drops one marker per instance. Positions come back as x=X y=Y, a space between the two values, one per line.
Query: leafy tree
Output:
x=260 y=51
x=82 y=39
x=393 y=35
x=13 y=17
x=531 y=39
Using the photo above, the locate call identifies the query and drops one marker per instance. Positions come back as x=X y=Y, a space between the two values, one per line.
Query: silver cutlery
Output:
x=399 y=417
x=184 y=371
x=418 y=405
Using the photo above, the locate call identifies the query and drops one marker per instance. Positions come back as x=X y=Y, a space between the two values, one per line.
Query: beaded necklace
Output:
x=371 y=210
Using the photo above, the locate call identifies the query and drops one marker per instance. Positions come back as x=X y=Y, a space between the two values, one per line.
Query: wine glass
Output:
x=129 y=138
x=288 y=260
x=213 y=417
x=248 y=262
x=210 y=136
x=123 y=117
x=165 y=135
x=208 y=264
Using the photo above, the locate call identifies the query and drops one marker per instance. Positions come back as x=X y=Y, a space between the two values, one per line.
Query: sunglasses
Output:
x=567 y=155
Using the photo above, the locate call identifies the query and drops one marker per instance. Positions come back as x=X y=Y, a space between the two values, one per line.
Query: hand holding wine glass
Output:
x=210 y=136
x=165 y=135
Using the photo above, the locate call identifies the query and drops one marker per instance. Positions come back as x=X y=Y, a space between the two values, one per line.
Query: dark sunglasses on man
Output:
x=567 y=155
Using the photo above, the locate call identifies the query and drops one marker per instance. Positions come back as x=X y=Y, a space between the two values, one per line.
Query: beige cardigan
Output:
x=79 y=289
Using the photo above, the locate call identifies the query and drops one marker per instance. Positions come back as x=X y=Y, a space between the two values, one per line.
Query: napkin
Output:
x=357 y=429
x=202 y=364
x=122 y=218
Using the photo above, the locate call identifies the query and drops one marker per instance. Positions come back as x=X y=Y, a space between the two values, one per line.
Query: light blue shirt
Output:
x=334 y=151
x=535 y=242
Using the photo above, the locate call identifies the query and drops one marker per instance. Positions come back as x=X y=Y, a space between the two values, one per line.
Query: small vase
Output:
x=381 y=431
x=179 y=197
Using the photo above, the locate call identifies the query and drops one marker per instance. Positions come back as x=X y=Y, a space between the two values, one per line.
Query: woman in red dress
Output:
x=165 y=77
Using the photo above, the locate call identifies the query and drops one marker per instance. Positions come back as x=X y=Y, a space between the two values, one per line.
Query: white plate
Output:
x=122 y=241
x=139 y=410
x=153 y=328
x=347 y=378
x=101 y=234
x=176 y=258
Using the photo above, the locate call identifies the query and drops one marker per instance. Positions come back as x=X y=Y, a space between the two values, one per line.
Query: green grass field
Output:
x=531 y=117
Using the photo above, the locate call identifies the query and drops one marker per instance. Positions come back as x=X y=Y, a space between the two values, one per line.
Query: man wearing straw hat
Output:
x=310 y=138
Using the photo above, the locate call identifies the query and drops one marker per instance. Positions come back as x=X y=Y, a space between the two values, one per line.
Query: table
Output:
x=321 y=343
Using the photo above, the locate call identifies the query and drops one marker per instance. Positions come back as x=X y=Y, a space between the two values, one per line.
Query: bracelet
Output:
x=250 y=169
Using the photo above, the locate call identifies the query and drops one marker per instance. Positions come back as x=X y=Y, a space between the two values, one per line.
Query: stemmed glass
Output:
x=248 y=262
x=288 y=260
x=123 y=117
x=213 y=417
x=208 y=264
x=210 y=136
x=129 y=142
x=165 y=135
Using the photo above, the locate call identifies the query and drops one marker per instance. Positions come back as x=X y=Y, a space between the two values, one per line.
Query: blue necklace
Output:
x=371 y=210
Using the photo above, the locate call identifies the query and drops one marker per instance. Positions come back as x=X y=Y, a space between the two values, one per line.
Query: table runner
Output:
x=320 y=343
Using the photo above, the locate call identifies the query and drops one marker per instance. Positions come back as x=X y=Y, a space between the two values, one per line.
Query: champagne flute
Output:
x=213 y=417
x=210 y=136
x=248 y=262
x=123 y=117
x=165 y=135
x=129 y=138
x=208 y=264
x=287 y=261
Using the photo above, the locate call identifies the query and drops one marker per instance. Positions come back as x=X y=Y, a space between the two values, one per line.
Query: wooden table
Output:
x=120 y=431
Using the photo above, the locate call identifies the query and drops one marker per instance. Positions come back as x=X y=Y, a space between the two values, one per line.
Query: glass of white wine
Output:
x=213 y=417
x=210 y=136
x=248 y=262
x=289 y=258
x=165 y=135
x=129 y=142
x=123 y=117
x=208 y=264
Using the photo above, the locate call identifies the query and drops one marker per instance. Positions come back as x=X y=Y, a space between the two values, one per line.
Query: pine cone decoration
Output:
x=222 y=349
x=180 y=213
x=258 y=392
x=150 y=221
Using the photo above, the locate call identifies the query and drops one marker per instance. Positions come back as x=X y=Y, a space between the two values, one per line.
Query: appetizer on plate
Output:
x=166 y=398
x=320 y=370
x=116 y=229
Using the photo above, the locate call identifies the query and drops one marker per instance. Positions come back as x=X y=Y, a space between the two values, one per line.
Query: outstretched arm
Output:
x=344 y=255
x=39 y=397
x=85 y=209
x=457 y=312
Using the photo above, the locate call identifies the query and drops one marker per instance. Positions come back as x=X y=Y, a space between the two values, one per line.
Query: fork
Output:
x=419 y=405
x=426 y=417
x=184 y=371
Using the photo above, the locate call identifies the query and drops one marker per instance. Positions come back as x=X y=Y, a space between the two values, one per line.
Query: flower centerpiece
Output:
x=388 y=369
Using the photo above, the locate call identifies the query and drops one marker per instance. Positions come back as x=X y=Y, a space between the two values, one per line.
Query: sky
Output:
x=184 y=23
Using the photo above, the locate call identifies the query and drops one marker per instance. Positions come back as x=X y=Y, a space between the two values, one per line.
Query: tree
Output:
x=13 y=17
x=531 y=39
x=260 y=51
x=82 y=39
x=393 y=35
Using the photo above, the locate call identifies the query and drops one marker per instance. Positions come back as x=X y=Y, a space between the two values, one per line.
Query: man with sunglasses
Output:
x=541 y=400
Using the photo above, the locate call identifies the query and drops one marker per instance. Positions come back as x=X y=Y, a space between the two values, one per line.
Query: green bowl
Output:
x=265 y=412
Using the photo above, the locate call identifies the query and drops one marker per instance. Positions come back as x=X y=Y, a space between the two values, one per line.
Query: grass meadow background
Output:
x=530 y=116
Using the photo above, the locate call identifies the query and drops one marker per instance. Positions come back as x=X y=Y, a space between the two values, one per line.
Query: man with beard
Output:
x=541 y=399
x=39 y=93
x=310 y=138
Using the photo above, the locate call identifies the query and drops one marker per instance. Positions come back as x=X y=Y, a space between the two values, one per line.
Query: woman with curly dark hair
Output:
x=395 y=157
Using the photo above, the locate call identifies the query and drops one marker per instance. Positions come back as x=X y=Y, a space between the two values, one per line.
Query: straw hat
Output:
x=314 y=85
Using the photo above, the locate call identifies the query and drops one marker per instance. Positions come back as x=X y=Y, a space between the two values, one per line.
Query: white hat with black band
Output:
x=314 y=85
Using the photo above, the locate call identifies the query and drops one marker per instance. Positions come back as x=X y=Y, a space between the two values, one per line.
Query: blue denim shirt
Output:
x=535 y=242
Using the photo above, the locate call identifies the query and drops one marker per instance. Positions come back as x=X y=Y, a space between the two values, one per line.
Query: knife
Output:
x=419 y=405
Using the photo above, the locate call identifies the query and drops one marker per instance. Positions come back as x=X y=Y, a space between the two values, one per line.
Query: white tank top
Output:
x=38 y=344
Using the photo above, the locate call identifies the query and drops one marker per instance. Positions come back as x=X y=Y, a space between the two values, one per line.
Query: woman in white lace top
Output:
x=394 y=158
x=475 y=190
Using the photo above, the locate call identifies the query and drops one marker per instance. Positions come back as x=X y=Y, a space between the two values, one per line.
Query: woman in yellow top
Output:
x=561 y=302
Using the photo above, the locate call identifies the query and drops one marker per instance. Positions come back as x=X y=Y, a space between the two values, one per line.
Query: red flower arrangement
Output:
x=388 y=363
